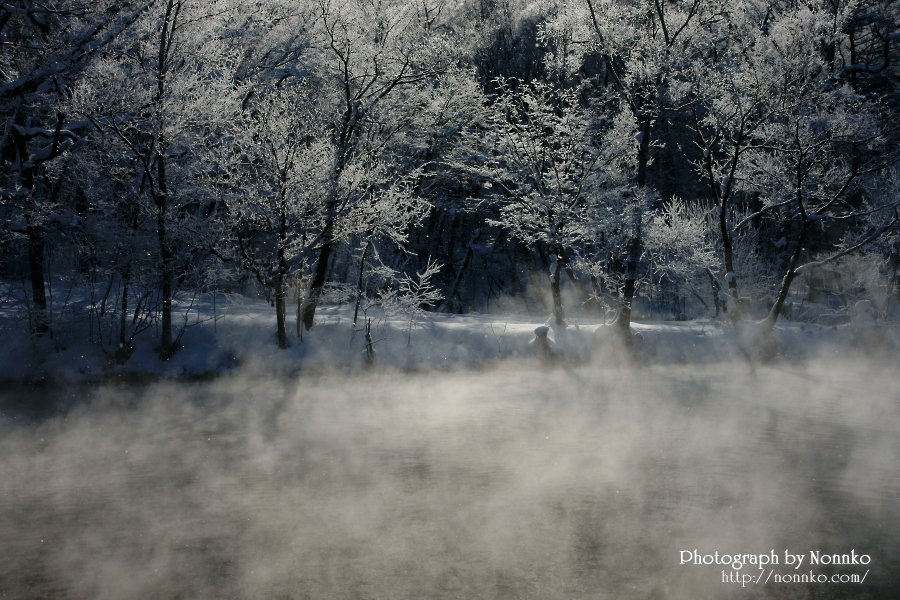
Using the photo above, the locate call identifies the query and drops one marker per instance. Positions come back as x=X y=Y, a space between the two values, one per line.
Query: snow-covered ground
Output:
x=243 y=337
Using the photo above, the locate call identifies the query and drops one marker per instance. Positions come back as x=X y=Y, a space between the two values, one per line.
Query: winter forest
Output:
x=608 y=159
x=450 y=299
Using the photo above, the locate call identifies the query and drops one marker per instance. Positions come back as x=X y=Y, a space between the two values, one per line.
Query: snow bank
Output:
x=245 y=340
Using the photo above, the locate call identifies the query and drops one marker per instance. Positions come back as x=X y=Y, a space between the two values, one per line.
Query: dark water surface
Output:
x=503 y=483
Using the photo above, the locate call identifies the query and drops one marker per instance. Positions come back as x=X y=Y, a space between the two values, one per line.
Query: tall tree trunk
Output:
x=795 y=258
x=123 y=310
x=721 y=195
x=717 y=300
x=280 y=313
x=40 y=323
x=789 y=274
x=635 y=246
x=552 y=273
x=454 y=287
x=318 y=282
x=40 y=319
x=894 y=265
x=124 y=349
x=728 y=255
x=166 y=349
x=167 y=346
x=630 y=285
x=558 y=313
x=359 y=282
x=349 y=128
x=280 y=292
x=321 y=272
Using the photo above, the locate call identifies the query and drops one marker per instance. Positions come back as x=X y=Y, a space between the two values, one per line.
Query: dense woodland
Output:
x=604 y=158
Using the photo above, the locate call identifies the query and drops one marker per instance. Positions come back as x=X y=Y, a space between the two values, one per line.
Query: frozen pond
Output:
x=504 y=483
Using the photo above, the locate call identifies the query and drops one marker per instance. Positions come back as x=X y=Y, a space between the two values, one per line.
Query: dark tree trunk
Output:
x=717 y=300
x=359 y=282
x=40 y=323
x=630 y=286
x=547 y=273
x=788 y=278
x=41 y=318
x=635 y=247
x=558 y=314
x=167 y=348
x=167 y=345
x=728 y=252
x=123 y=314
x=280 y=292
x=318 y=282
x=280 y=313
x=894 y=265
x=454 y=287
x=721 y=195
x=795 y=258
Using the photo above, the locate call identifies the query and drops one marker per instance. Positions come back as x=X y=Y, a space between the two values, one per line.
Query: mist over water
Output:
x=504 y=483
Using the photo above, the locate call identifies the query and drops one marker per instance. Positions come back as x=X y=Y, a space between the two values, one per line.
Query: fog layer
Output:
x=506 y=483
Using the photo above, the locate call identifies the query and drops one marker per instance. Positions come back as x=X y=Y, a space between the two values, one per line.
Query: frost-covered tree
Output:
x=680 y=245
x=376 y=57
x=536 y=147
x=782 y=135
x=271 y=174
x=44 y=48
x=113 y=254
x=341 y=144
x=820 y=164
x=412 y=297
x=170 y=82
x=639 y=51
x=269 y=177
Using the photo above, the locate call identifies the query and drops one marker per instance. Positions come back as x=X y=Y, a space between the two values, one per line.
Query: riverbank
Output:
x=242 y=339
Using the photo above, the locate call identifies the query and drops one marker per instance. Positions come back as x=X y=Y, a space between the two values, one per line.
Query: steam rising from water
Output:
x=507 y=483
